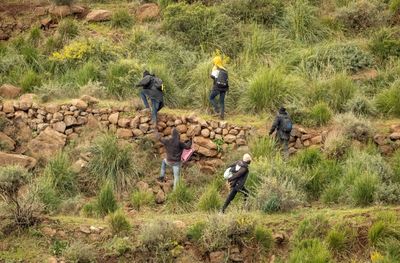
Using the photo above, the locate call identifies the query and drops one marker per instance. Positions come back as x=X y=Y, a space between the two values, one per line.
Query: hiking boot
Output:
x=161 y=179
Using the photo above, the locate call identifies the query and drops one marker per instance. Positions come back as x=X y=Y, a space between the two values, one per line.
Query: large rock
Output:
x=395 y=136
x=204 y=142
x=70 y=121
x=147 y=12
x=61 y=10
x=9 y=91
x=80 y=104
x=204 y=151
x=89 y=99
x=217 y=257
x=6 y=142
x=193 y=130
x=8 y=107
x=46 y=144
x=229 y=138
x=60 y=126
x=17 y=159
x=26 y=101
x=124 y=133
x=113 y=118
x=52 y=108
x=160 y=197
x=98 y=16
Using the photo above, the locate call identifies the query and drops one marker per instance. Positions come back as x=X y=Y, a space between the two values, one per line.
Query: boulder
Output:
x=147 y=12
x=46 y=144
x=59 y=126
x=229 y=138
x=52 y=108
x=6 y=142
x=234 y=132
x=395 y=128
x=160 y=197
x=144 y=119
x=26 y=101
x=204 y=151
x=123 y=133
x=60 y=10
x=92 y=122
x=8 y=107
x=144 y=127
x=123 y=122
x=9 y=91
x=135 y=122
x=70 y=121
x=167 y=131
x=137 y=132
x=193 y=130
x=217 y=257
x=78 y=9
x=316 y=140
x=205 y=133
x=380 y=139
x=395 y=136
x=89 y=99
x=98 y=16
x=142 y=186
x=79 y=104
x=17 y=159
x=181 y=128
x=113 y=118
x=58 y=116
x=204 y=142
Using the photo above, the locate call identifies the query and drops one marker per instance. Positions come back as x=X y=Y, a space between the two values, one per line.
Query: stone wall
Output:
x=41 y=130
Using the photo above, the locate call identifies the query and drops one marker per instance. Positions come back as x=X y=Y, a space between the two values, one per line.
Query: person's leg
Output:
x=176 y=170
x=163 y=168
x=154 y=109
x=213 y=94
x=222 y=103
x=228 y=200
x=285 y=149
x=144 y=99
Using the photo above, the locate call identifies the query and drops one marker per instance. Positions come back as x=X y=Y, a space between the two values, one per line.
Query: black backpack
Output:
x=157 y=84
x=222 y=80
x=287 y=124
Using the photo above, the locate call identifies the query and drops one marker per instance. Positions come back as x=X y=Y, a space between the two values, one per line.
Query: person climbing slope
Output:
x=283 y=126
x=240 y=172
x=152 y=89
x=219 y=75
x=174 y=148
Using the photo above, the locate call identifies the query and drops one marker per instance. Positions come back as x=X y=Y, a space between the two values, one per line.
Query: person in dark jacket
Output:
x=283 y=126
x=219 y=88
x=156 y=96
x=174 y=148
x=238 y=180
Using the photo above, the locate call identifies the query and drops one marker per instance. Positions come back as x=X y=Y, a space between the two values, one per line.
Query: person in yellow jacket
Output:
x=219 y=75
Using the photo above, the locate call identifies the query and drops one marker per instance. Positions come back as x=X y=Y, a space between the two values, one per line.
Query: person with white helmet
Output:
x=240 y=172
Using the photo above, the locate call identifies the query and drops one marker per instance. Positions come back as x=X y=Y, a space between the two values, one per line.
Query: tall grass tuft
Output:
x=140 y=199
x=264 y=146
x=60 y=175
x=210 y=200
x=106 y=201
x=119 y=223
x=68 y=29
x=122 y=19
x=364 y=189
x=180 y=200
x=320 y=114
x=388 y=101
x=310 y=251
x=112 y=162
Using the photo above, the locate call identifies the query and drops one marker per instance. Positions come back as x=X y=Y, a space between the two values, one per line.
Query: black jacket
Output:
x=147 y=83
x=239 y=178
x=174 y=149
x=278 y=126
x=215 y=86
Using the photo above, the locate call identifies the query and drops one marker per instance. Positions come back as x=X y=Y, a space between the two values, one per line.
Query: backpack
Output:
x=222 y=80
x=157 y=84
x=230 y=171
x=287 y=124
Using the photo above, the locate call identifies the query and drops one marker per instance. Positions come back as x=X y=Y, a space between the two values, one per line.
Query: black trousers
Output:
x=232 y=195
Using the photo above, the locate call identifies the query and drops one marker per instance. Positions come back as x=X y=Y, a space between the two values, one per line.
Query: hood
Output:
x=282 y=110
x=218 y=62
x=243 y=164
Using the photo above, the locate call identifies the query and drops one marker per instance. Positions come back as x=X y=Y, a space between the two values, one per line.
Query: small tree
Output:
x=12 y=179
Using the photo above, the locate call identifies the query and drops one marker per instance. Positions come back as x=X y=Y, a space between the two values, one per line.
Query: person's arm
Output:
x=144 y=82
x=275 y=125
x=242 y=171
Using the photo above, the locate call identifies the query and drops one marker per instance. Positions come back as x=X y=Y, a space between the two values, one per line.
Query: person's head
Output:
x=247 y=158
x=146 y=73
x=217 y=61
x=282 y=110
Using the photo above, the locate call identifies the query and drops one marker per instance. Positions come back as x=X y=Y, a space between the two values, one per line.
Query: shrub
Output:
x=312 y=227
x=263 y=12
x=332 y=194
x=68 y=29
x=268 y=90
x=119 y=223
x=395 y=163
x=394 y=6
x=355 y=127
x=388 y=100
x=380 y=232
x=360 y=105
x=201 y=26
x=388 y=193
x=121 y=19
x=215 y=234
x=58 y=247
x=302 y=22
x=308 y=158
x=61 y=176
x=181 y=198
x=119 y=246
x=89 y=210
x=30 y=80
x=264 y=238
x=310 y=251
x=210 y=200
x=48 y=196
x=385 y=43
x=121 y=76
x=112 y=162
x=62 y=2
x=338 y=242
x=320 y=114
x=106 y=202
x=263 y=146
x=80 y=252
x=364 y=189
x=195 y=231
x=34 y=36
x=360 y=15
x=141 y=198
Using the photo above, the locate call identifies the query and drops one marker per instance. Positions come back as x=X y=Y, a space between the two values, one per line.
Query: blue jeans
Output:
x=215 y=93
x=155 y=105
x=176 y=167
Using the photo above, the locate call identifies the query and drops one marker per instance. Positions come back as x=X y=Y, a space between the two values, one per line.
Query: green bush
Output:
x=215 y=234
x=394 y=6
x=320 y=114
x=364 y=189
x=385 y=43
x=302 y=22
x=264 y=238
x=388 y=100
x=58 y=246
x=106 y=202
x=360 y=105
x=388 y=193
x=312 y=227
x=332 y=194
x=48 y=195
x=336 y=241
x=355 y=128
x=112 y=162
x=30 y=80
x=201 y=26
x=121 y=77
x=210 y=200
x=195 y=231
x=310 y=251
x=80 y=252
x=68 y=29
x=119 y=246
x=122 y=19
x=263 y=146
x=89 y=210
x=61 y=176
x=395 y=163
x=34 y=36
x=180 y=200
x=380 y=232
x=140 y=199
x=267 y=12
x=119 y=223
x=308 y=158
x=268 y=90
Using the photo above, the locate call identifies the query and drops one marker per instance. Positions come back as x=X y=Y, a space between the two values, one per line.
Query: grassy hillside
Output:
x=331 y=62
